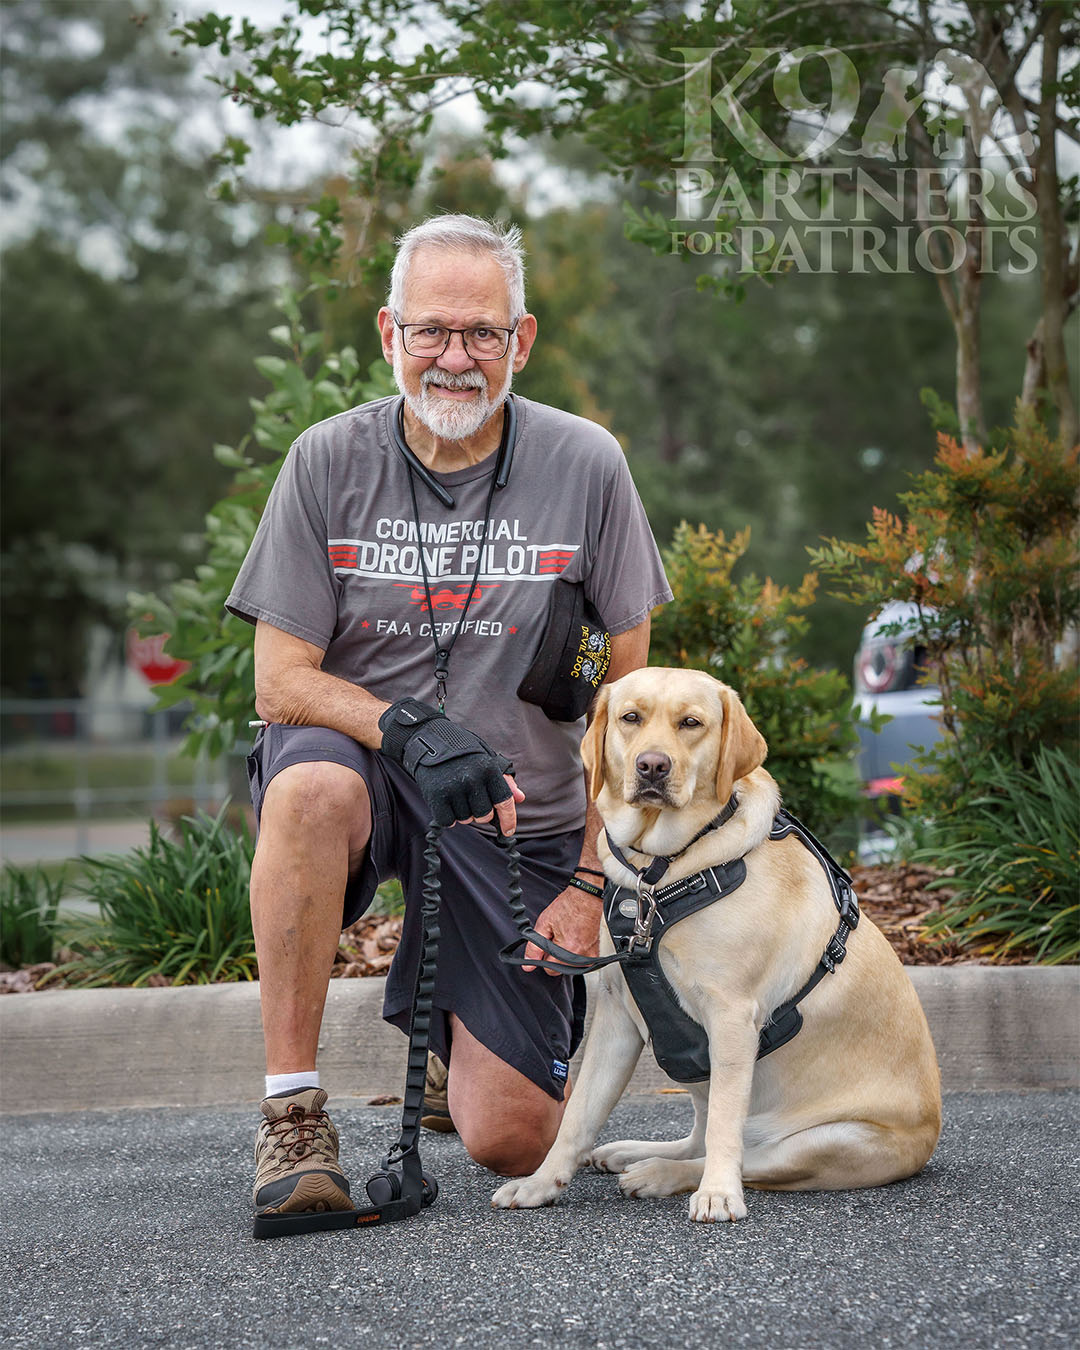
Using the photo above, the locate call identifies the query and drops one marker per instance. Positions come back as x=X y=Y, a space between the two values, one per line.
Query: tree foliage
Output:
x=131 y=308
x=986 y=553
x=744 y=632
x=643 y=84
x=307 y=385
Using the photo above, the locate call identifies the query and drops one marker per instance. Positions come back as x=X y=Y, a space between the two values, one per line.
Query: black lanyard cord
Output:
x=443 y=650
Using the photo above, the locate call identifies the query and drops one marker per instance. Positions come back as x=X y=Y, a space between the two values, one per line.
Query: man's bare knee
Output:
x=318 y=795
x=511 y=1147
x=509 y=1155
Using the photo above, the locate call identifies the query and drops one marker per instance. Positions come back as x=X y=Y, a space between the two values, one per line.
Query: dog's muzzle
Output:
x=652 y=770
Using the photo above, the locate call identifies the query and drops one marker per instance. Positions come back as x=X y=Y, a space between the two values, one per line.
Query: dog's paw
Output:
x=661 y=1176
x=709 y=1205
x=618 y=1156
x=527 y=1192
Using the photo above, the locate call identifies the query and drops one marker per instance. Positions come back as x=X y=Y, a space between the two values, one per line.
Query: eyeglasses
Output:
x=483 y=343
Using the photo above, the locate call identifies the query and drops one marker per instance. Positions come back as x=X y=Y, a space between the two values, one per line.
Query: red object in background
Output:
x=147 y=656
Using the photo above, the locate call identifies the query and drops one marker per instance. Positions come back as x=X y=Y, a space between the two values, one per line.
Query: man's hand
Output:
x=461 y=777
x=573 y=921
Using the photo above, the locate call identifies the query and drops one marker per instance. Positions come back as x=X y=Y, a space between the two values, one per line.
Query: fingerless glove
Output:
x=459 y=775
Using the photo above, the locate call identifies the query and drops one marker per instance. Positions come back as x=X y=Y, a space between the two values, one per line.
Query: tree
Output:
x=130 y=311
x=657 y=91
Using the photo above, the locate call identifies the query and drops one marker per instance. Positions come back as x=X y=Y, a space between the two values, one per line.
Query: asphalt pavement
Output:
x=132 y=1228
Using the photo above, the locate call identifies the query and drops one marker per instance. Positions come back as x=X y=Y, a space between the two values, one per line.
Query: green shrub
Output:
x=28 y=904
x=389 y=899
x=175 y=910
x=1014 y=852
x=987 y=553
x=308 y=385
x=910 y=833
x=743 y=632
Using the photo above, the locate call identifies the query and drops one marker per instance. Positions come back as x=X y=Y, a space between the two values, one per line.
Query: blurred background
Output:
x=136 y=302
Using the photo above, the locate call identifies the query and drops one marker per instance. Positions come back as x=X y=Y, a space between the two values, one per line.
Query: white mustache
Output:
x=467 y=379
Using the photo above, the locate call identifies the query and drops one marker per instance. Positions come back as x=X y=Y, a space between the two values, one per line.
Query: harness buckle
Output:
x=849 y=908
x=834 y=953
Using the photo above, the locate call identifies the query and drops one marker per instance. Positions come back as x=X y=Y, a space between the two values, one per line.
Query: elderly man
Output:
x=401 y=580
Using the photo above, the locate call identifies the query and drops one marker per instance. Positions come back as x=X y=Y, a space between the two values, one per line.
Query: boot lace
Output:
x=296 y=1133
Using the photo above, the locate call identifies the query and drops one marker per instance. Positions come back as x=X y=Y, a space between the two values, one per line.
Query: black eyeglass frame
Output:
x=434 y=356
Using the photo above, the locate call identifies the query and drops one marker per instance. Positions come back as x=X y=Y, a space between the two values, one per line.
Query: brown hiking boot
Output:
x=436 y=1111
x=296 y=1157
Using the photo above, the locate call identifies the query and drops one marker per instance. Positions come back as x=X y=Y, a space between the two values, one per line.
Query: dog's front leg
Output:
x=733 y=1042
x=611 y=1051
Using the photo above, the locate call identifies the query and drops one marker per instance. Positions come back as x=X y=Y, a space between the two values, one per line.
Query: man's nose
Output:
x=456 y=358
x=653 y=766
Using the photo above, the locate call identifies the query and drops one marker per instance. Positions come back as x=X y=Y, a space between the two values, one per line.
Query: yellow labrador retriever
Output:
x=854 y=1098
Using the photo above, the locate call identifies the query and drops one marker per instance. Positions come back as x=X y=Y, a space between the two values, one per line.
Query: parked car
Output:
x=888 y=670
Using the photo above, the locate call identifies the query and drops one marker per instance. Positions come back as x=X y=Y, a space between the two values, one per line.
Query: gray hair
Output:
x=463 y=234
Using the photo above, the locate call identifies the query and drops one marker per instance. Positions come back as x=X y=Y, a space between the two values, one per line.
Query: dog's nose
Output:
x=653 y=766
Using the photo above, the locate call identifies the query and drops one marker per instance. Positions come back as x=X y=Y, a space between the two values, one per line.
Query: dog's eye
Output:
x=630 y=717
x=689 y=722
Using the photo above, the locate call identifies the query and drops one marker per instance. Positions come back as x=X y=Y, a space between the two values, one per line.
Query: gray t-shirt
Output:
x=336 y=561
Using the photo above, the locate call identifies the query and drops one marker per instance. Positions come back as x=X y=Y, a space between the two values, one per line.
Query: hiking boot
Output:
x=296 y=1157
x=436 y=1112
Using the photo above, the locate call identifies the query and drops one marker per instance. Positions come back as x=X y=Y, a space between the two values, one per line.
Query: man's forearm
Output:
x=299 y=694
x=593 y=826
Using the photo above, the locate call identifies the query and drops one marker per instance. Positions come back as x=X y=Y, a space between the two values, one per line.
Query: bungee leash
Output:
x=401 y=1188
x=565 y=962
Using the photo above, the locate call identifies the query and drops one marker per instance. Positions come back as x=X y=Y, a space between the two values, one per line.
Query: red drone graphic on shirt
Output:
x=445 y=598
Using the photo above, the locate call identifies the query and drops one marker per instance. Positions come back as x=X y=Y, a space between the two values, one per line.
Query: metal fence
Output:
x=67 y=765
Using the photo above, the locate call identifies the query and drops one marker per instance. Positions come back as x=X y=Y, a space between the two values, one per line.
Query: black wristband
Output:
x=592 y=871
x=587 y=886
x=400 y=721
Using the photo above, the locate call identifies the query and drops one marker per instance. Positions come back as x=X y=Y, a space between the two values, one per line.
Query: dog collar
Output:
x=650 y=875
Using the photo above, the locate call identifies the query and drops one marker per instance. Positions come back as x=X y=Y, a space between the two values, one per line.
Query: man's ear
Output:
x=742 y=746
x=384 y=321
x=526 y=336
x=592 y=745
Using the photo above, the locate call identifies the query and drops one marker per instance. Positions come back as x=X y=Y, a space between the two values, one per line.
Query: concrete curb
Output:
x=995 y=1028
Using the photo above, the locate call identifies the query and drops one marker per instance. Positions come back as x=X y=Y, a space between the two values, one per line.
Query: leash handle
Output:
x=513 y=954
x=565 y=962
x=400 y=1189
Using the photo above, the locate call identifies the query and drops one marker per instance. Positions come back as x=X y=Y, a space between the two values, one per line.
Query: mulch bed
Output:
x=894 y=895
x=367 y=947
x=898 y=899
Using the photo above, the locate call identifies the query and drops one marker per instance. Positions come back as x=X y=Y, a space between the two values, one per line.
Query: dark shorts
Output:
x=533 y=1022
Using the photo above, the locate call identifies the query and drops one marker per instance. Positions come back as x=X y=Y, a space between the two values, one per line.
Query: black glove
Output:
x=458 y=774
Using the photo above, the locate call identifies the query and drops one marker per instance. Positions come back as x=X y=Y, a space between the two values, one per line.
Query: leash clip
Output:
x=643 y=922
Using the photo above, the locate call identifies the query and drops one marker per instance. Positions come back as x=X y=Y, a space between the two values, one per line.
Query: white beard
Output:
x=446 y=418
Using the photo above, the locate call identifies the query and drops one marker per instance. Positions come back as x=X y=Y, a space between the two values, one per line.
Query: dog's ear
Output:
x=592 y=745
x=742 y=746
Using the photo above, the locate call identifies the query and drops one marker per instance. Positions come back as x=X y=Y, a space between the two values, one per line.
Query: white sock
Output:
x=277 y=1083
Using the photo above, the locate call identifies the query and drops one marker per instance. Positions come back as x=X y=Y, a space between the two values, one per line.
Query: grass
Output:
x=64 y=770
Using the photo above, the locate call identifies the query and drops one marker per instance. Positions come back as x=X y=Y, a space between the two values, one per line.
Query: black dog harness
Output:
x=638 y=918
